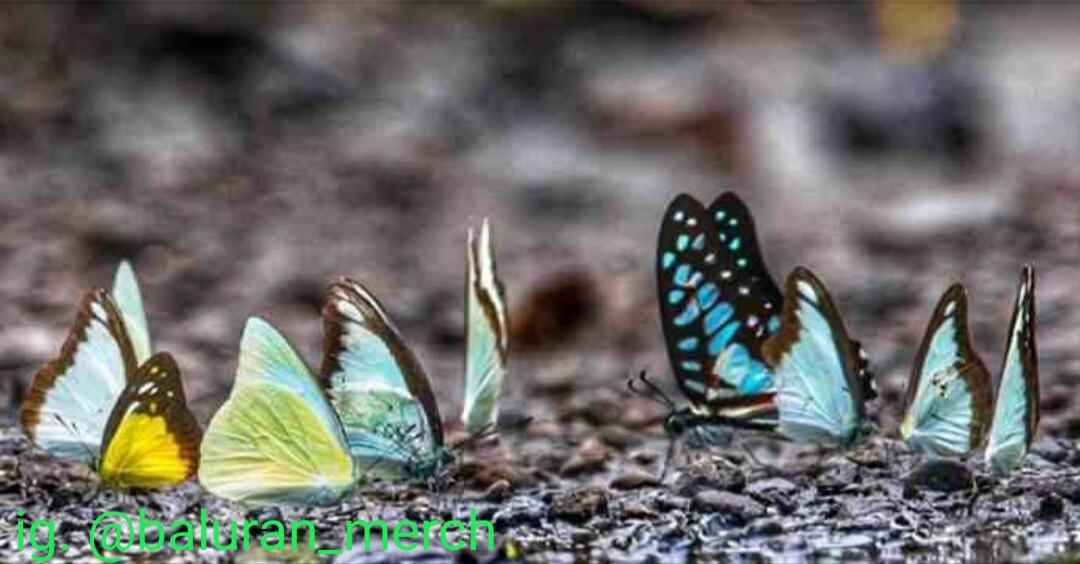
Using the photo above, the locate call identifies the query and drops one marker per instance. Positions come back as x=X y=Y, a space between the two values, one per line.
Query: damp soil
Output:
x=242 y=161
x=875 y=503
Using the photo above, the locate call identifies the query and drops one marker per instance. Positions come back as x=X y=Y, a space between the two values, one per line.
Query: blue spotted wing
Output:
x=717 y=301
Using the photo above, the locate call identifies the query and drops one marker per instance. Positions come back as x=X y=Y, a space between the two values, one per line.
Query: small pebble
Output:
x=739 y=507
x=580 y=505
x=633 y=480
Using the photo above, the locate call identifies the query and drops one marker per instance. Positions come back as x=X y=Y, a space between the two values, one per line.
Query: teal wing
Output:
x=485 y=360
x=276 y=439
x=70 y=398
x=1016 y=413
x=947 y=404
x=378 y=387
x=819 y=397
x=125 y=292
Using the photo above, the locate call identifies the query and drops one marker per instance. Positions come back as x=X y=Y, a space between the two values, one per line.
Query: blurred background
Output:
x=243 y=156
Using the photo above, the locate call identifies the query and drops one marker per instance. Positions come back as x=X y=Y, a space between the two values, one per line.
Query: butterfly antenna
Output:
x=490 y=430
x=650 y=390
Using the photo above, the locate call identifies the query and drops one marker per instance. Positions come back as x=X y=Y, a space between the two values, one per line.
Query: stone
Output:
x=580 y=505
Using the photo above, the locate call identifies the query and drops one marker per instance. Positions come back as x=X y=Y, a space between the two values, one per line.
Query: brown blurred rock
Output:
x=589 y=457
x=553 y=310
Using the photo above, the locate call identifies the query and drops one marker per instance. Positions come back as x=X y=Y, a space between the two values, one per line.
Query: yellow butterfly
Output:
x=105 y=401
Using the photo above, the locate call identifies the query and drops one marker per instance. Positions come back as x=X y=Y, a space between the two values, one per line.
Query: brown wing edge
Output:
x=334 y=327
x=46 y=376
x=780 y=343
x=179 y=420
x=486 y=301
x=974 y=372
x=1028 y=353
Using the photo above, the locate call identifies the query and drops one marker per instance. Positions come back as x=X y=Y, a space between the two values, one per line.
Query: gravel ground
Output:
x=243 y=158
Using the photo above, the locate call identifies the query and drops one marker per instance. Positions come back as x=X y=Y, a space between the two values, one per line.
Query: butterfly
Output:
x=106 y=401
x=1016 y=412
x=949 y=408
x=718 y=306
x=948 y=402
x=285 y=435
x=819 y=372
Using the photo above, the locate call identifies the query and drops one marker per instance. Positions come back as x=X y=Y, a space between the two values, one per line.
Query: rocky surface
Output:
x=877 y=512
x=241 y=159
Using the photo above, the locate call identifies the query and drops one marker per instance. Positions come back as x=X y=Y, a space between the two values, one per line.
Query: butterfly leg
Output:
x=669 y=457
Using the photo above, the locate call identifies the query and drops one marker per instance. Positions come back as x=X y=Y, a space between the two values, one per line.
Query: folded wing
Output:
x=485 y=360
x=819 y=397
x=948 y=400
x=1016 y=413
x=276 y=439
x=125 y=292
x=378 y=387
x=151 y=439
x=71 y=397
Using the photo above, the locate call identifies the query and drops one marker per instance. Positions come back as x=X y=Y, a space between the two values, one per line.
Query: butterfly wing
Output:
x=151 y=439
x=485 y=360
x=70 y=398
x=717 y=301
x=819 y=397
x=947 y=403
x=1016 y=413
x=378 y=386
x=125 y=292
x=276 y=439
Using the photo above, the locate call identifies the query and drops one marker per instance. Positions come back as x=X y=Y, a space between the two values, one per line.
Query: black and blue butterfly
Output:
x=719 y=307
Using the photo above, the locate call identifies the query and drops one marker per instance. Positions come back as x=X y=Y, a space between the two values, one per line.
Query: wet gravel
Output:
x=873 y=503
x=240 y=184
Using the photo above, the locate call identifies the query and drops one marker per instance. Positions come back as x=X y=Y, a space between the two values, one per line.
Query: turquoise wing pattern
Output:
x=819 y=396
x=948 y=401
x=1016 y=413
x=378 y=387
x=486 y=328
x=125 y=292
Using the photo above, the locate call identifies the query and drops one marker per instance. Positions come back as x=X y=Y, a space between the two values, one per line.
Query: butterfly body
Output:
x=107 y=402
